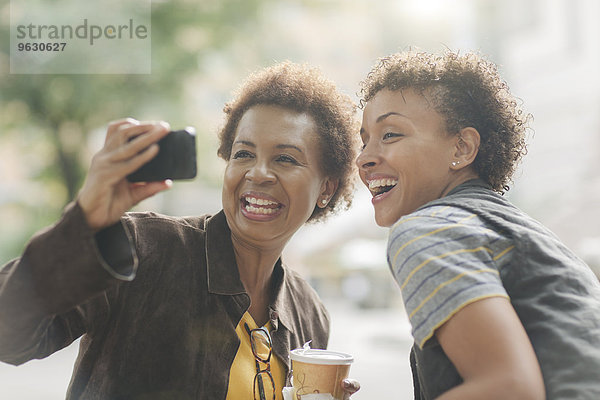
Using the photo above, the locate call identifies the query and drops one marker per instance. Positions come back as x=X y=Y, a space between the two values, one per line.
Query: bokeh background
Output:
x=548 y=51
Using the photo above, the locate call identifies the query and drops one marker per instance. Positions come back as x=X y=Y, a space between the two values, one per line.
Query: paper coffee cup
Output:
x=318 y=371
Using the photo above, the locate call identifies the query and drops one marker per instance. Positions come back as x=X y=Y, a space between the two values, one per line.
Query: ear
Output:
x=466 y=148
x=328 y=189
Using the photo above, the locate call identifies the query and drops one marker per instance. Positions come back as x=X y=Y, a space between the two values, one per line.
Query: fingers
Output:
x=106 y=194
x=121 y=156
x=144 y=190
x=130 y=144
x=350 y=387
x=137 y=139
x=129 y=165
x=127 y=139
x=114 y=126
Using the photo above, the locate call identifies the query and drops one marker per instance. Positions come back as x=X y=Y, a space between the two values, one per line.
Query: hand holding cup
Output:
x=321 y=372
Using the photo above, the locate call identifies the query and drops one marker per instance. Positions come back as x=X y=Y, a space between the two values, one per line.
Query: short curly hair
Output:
x=303 y=89
x=467 y=91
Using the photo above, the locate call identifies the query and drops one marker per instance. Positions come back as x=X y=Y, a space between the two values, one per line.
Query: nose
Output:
x=367 y=158
x=260 y=173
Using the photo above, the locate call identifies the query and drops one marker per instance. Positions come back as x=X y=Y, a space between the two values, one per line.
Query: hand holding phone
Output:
x=106 y=194
x=176 y=159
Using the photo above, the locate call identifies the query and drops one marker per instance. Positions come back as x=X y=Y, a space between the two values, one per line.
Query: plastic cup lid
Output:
x=321 y=356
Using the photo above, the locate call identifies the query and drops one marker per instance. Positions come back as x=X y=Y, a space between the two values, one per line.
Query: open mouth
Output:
x=380 y=186
x=260 y=206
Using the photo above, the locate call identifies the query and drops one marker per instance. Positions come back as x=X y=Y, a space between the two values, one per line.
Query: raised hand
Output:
x=106 y=193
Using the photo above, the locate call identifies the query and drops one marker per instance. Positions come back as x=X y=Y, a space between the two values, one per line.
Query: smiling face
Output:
x=273 y=178
x=407 y=154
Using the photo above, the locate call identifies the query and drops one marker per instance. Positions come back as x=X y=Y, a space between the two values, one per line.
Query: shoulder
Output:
x=152 y=232
x=444 y=258
x=304 y=307
x=149 y=218
x=443 y=229
x=151 y=223
x=301 y=290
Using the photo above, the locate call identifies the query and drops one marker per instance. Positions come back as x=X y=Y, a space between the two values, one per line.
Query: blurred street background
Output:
x=547 y=50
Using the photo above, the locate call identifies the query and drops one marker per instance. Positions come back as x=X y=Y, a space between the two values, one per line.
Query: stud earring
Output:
x=455 y=163
x=324 y=201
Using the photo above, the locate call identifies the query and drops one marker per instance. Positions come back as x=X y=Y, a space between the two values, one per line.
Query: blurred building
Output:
x=551 y=57
x=548 y=51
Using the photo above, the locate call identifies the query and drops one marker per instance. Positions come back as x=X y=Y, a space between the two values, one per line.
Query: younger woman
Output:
x=499 y=307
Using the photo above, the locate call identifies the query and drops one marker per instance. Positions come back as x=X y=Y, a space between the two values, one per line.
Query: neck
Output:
x=255 y=266
x=460 y=177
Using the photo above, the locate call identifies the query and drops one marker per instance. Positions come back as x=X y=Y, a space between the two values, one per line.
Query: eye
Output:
x=363 y=145
x=287 y=159
x=391 y=135
x=364 y=142
x=242 y=154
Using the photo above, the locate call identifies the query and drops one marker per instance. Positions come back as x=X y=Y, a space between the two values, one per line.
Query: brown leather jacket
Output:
x=157 y=300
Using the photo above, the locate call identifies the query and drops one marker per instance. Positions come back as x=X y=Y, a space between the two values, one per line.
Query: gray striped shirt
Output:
x=443 y=259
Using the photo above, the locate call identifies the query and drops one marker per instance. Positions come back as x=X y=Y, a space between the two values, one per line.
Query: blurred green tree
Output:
x=50 y=115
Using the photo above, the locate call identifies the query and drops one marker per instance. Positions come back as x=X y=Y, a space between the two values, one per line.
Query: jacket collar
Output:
x=223 y=276
x=281 y=308
x=476 y=182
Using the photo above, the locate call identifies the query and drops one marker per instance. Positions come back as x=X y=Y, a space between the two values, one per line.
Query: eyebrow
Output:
x=279 y=146
x=384 y=116
x=245 y=142
x=289 y=146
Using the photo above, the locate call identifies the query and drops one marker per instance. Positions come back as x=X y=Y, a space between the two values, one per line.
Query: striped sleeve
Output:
x=444 y=259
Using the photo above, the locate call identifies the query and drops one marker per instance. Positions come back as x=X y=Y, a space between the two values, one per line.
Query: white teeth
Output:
x=261 y=210
x=260 y=202
x=382 y=182
x=261 y=206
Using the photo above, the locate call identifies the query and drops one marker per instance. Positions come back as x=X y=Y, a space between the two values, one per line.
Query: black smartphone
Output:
x=176 y=159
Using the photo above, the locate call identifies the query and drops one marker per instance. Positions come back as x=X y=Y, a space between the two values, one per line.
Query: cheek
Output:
x=424 y=161
x=361 y=175
x=232 y=173
x=226 y=196
x=231 y=177
x=307 y=188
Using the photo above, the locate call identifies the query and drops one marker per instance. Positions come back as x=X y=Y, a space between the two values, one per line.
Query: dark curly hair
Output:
x=303 y=89
x=467 y=91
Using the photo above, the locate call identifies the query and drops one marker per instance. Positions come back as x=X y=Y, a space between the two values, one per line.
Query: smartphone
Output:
x=176 y=159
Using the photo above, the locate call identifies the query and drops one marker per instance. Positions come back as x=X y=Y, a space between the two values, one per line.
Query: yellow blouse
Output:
x=243 y=369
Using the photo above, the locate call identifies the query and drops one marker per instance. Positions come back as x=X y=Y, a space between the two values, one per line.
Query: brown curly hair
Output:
x=467 y=91
x=303 y=89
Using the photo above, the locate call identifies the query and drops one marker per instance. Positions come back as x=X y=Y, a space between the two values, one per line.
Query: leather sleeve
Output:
x=61 y=286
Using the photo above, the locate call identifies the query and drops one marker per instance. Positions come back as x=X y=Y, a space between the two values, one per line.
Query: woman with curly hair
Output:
x=499 y=307
x=196 y=307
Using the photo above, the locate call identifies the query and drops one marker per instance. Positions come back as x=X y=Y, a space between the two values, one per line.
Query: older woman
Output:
x=198 y=307
x=499 y=307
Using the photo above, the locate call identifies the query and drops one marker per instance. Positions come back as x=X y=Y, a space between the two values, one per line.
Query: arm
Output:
x=47 y=296
x=489 y=347
x=38 y=291
x=447 y=262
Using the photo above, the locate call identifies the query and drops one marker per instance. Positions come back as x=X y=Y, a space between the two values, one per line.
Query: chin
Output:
x=389 y=217
x=384 y=222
